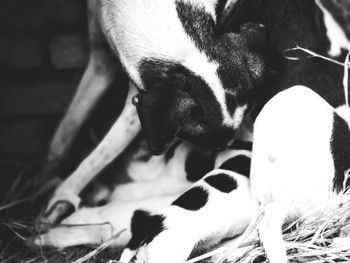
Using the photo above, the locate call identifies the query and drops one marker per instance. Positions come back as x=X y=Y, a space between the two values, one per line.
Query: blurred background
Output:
x=43 y=52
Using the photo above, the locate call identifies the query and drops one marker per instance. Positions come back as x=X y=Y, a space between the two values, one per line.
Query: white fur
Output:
x=335 y=33
x=156 y=179
x=230 y=3
x=344 y=112
x=238 y=116
x=156 y=166
x=292 y=166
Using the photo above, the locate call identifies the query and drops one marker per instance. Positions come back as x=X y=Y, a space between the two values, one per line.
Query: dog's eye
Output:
x=135 y=100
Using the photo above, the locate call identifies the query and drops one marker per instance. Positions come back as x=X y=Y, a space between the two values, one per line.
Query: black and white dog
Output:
x=300 y=162
x=193 y=82
x=215 y=208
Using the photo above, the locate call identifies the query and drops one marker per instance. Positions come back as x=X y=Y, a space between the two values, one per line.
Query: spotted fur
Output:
x=199 y=218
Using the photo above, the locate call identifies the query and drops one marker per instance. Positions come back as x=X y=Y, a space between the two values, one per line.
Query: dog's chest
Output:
x=144 y=29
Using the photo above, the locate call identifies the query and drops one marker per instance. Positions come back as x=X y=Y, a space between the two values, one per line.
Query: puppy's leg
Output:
x=97 y=225
x=270 y=233
x=123 y=131
x=102 y=69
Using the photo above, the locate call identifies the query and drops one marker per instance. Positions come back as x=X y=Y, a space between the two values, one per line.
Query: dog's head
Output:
x=203 y=102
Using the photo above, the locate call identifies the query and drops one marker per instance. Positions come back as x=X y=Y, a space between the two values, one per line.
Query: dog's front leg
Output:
x=101 y=70
x=65 y=199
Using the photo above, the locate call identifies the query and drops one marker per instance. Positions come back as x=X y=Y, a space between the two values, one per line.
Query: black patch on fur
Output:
x=340 y=147
x=197 y=165
x=144 y=228
x=230 y=102
x=171 y=151
x=193 y=199
x=241 y=145
x=198 y=24
x=178 y=99
x=157 y=73
x=222 y=182
x=239 y=164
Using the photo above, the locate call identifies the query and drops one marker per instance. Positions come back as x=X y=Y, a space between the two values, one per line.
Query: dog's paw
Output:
x=60 y=207
x=90 y=226
x=66 y=236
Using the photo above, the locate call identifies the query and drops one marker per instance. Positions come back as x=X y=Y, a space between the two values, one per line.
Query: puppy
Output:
x=301 y=159
x=215 y=208
x=300 y=162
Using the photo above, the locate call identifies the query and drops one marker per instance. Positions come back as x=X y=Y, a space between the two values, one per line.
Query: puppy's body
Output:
x=296 y=171
x=216 y=207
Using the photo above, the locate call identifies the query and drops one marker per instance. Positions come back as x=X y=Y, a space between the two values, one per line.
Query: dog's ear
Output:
x=162 y=112
x=250 y=45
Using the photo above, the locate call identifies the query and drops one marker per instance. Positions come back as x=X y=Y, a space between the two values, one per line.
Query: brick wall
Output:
x=43 y=50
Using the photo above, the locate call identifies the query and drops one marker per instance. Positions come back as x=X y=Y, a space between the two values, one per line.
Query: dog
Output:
x=299 y=178
x=201 y=217
x=171 y=84
x=289 y=183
